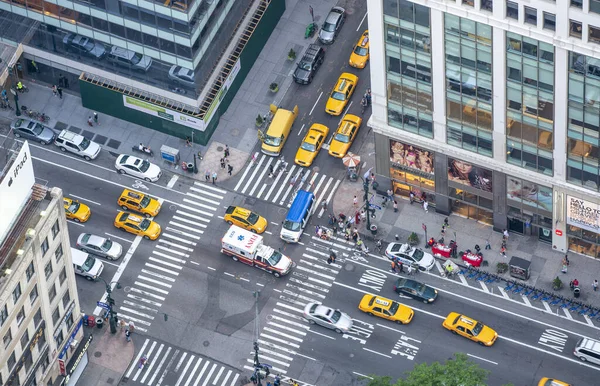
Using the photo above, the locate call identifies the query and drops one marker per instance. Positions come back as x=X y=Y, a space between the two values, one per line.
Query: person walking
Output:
x=128 y=334
x=54 y=90
x=503 y=251
x=411 y=196
x=59 y=90
x=505 y=235
x=188 y=142
x=90 y=122
x=207 y=175
x=61 y=80
x=96 y=118
x=566 y=260
x=400 y=267
x=409 y=269
x=393 y=265
x=425 y=206
x=214 y=178
x=226 y=151
x=222 y=163
x=487 y=244
x=395 y=207
x=229 y=169
x=355 y=201
x=595 y=285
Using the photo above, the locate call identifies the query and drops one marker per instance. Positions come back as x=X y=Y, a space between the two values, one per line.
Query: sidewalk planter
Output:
x=501 y=268
x=291 y=55
x=557 y=284
x=413 y=239
x=274 y=87
x=259 y=120
x=373 y=230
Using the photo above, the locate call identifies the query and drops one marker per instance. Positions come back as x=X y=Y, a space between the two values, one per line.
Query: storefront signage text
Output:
x=81 y=354
x=583 y=214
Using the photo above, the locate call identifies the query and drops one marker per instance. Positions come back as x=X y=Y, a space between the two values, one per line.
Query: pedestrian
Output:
x=96 y=118
x=59 y=90
x=503 y=252
x=90 y=121
x=390 y=194
x=188 y=142
x=372 y=177
x=400 y=267
x=595 y=285
x=131 y=326
x=122 y=324
x=411 y=196
x=222 y=163
x=425 y=206
x=127 y=335
x=54 y=91
x=332 y=257
x=505 y=235
x=487 y=244
x=355 y=201
x=423 y=197
x=355 y=235
x=229 y=169
x=65 y=80
x=226 y=151
x=564 y=268
x=207 y=175
x=357 y=218
x=214 y=177
x=566 y=260
x=393 y=266
x=446 y=223
x=443 y=231
x=395 y=206
x=409 y=269
x=61 y=80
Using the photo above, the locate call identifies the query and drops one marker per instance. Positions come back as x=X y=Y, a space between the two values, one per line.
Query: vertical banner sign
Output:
x=62 y=368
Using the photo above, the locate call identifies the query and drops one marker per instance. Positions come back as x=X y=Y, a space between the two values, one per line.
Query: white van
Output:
x=588 y=350
x=86 y=265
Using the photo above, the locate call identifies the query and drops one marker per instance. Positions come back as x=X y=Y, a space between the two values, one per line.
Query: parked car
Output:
x=30 y=129
x=84 y=45
x=78 y=144
x=182 y=75
x=99 y=246
x=309 y=64
x=137 y=167
x=130 y=59
x=332 y=25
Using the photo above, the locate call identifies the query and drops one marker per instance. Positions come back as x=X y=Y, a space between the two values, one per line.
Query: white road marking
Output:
x=137 y=359
x=363 y=19
x=85 y=199
x=198 y=218
x=302 y=128
x=210 y=187
x=260 y=178
x=117 y=237
x=378 y=353
x=204 y=192
x=483 y=359
x=203 y=199
x=172 y=182
x=199 y=204
x=315 y=105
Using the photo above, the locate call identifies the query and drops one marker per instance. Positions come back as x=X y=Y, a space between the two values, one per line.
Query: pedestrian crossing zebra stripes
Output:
x=170 y=254
x=169 y=366
x=282 y=187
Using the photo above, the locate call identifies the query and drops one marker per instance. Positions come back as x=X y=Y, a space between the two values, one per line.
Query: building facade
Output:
x=490 y=109
x=40 y=318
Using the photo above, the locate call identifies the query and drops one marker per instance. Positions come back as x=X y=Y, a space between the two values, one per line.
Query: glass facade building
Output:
x=489 y=113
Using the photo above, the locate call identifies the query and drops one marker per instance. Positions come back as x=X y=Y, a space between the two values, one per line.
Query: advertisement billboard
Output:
x=163 y=113
x=467 y=174
x=529 y=193
x=583 y=214
x=412 y=157
x=15 y=189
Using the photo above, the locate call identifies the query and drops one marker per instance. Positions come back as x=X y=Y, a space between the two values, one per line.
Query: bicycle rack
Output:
x=474 y=272
x=566 y=303
x=519 y=289
x=538 y=294
x=483 y=276
x=491 y=278
x=593 y=312
x=575 y=307
x=529 y=291
x=510 y=285
x=547 y=296
x=556 y=300
x=584 y=310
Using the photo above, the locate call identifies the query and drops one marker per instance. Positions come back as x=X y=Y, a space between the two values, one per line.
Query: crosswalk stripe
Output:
x=170 y=244
x=309 y=285
x=170 y=250
x=274 y=369
x=226 y=378
x=194 y=223
x=162 y=269
x=312 y=271
x=265 y=357
x=144 y=285
x=150 y=351
x=284 y=305
x=191 y=376
x=164 y=374
x=152 y=363
x=204 y=199
x=287 y=328
x=147 y=293
x=165 y=263
x=301 y=289
x=140 y=299
x=256 y=169
x=134 y=363
x=180 y=361
x=195 y=210
x=140 y=314
x=323 y=266
x=185 y=370
x=320 y=199
x=319 y=185
x=157 y=282
x=209 y=194
x=187 y=227
x=285 y=335
x=197 y=218
x=182 y=233
x=331 y=192
x=210 y=187
x=248 y=168
x=329 y=267
x=298 y=296
x=160 y=365
x=201 y=373
x=235 y=378
x=179 y=239
x=218 y=375
x=210 y=373
x=262 y=189
x=277 y=348
x=283 y=185
x=141 y=307
x=275 y=353
x=169 y=257
x=261 y=176
x=158 y=275
x=282 y=341
x=287 y=321
x=276 y=182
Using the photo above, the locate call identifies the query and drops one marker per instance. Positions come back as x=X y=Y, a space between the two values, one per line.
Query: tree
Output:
x=455 y=371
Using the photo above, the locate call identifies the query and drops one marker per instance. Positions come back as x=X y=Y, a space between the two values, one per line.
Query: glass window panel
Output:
x=452 y=22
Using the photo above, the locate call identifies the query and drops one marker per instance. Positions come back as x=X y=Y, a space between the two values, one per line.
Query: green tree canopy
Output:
x=457 y=371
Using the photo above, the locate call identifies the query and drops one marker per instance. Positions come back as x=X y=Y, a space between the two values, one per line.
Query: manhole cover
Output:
x=173 y=207
x=127 y=289
x=316 y=169
x=235 y=132
x=220 y=148
x=282 y=210
x=110 y=381
x=98 y=354
x=206 y=343
x=349 y=267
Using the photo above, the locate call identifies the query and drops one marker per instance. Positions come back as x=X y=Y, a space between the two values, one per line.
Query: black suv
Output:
x=309 y=64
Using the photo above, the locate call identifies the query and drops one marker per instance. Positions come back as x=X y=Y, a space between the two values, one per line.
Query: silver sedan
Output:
x=336 y=320
x=98 y=245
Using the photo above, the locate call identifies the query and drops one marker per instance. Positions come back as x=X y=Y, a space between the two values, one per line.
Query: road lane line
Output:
x=483 y=359
x=363 y=19
x=315 y=105
x=323 y=335
x=393 y=329
x=547 y=306
x=84 y=199
x=302 y=128
x=526 y=300
x=567 y=313
x=378 y=353
x=172 y=181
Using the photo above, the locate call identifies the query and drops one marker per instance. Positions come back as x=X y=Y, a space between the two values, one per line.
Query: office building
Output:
x=40 y=318
x=490 y=109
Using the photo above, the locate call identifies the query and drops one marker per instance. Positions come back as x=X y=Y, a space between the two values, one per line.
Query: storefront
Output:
x=583 y=225
x=411 y=169
x=529 y=208
x=470 y=188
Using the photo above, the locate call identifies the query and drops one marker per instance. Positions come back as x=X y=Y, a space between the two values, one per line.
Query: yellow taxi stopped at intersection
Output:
x=246 y=219
x=311 y=144
x=137 y=225
x=470 y=329
x=76 y=211
x=386 y=309
x=340 y=96
x=360 y=55
x=344 y=135
x=139 y=202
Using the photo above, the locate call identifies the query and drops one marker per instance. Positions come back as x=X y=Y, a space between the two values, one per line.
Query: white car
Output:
x=99 y=245
x=137 y=167
x=410 y=255
x=182 y=75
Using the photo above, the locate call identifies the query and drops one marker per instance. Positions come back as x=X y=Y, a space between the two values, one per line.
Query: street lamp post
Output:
x=112 y=315
x=366 y=199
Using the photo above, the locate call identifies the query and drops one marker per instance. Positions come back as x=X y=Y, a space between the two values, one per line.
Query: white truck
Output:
x=248 y=248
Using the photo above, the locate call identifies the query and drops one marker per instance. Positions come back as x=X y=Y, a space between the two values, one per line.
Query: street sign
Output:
x=375 y=206
x=103 y=305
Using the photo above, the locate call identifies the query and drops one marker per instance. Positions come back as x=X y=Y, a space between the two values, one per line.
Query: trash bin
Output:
x=373 y=230
x=99 y=322
x=576 y=292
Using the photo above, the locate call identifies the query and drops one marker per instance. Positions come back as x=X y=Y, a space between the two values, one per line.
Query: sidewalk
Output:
x=546 y=263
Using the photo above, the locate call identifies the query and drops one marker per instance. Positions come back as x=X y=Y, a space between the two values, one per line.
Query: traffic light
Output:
x=111 y=301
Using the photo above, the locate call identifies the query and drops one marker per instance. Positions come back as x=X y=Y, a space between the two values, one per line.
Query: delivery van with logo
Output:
x=248 y=248
x=86 y=265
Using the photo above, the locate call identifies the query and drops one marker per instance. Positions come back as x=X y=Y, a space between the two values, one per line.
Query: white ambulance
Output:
x=248 y=248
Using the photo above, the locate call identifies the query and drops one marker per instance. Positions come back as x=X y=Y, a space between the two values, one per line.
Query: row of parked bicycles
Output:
x=517 y=288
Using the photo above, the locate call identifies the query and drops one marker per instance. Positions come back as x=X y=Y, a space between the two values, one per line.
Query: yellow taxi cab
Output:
x=360 y=55
x=137 y=225
x=139 y=202
x=311 y=144
x=340 y=96
x=236 y=215
x=470 y=329
x=344 y=135
x=386 y=309
x=552 y=382
x=76 y=211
